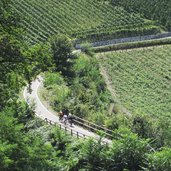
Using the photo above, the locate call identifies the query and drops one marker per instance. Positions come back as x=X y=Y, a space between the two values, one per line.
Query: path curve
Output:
x=42 y=112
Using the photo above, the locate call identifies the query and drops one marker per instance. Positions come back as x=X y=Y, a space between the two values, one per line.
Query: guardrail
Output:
x=78 y=121
x=92 y=127
x=67 y=129
x=73 y=132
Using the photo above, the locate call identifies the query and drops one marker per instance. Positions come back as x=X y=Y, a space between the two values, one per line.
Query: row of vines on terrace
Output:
x=79 y=19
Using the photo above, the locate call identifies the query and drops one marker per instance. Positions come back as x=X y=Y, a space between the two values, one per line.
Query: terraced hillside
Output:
x=153 y=9
x=90 y=19
x=141 y=78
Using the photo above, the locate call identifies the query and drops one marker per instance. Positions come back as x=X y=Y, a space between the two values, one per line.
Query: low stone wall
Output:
x=128 y=39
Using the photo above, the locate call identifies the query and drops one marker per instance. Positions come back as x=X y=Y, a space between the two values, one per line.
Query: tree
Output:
x=12 y=63
x=39 y=58
x=128 y=152
x=160 y=160
x=62 y=53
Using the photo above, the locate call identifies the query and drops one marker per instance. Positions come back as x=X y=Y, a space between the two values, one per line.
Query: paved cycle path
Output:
x=42 y=112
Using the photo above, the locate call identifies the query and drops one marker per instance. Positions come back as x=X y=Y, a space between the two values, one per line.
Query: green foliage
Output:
x=111 y=123
x=11 y=69
x=39 y=57
x=5 y=153
x=56 y=95
x=155 y=10
x=9 y=20
x=87 y=49
x=84 y=93
x=128 y=152
x=132 y=45
x=21 y=150
x=90 y=19
x=141 y=78
x=163 y=130
x=52 y=79
x=97 y=118
x=88 y=87
x=48 y=148
x=18 y=61
x=159 y=160
x=118 y=121
x=62 y=48
x=142 y=126
x=27 y=144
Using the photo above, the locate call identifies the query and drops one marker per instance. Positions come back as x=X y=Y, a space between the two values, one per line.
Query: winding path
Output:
x=42 y=112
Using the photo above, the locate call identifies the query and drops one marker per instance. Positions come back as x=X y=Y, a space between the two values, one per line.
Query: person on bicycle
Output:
x=65 y=119
x=61 y=116
x=70 y=119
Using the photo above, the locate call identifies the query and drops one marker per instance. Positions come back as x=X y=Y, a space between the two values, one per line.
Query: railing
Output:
x=79 y=134
x=92 y=127
x=66 y=128
x=71 y=131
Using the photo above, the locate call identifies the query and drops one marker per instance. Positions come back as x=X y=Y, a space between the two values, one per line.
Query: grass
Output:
x=141 y=78
x=46 y=103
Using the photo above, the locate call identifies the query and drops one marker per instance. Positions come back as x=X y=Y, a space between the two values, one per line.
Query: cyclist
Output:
x=70 y=118
x=65 y=119
x=61 y=116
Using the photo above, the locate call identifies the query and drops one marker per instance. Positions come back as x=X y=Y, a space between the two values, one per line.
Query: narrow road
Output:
x=42 y=112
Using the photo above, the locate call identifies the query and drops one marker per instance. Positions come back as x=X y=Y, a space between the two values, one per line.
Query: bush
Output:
x=52 y=79
x=131 y=45
x=159 y=161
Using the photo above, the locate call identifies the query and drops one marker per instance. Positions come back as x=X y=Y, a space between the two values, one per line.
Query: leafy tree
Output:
x=142 y=126
x=18 y=62
x=128 y=152
x=39 y=59
x=5 y=153
x=52 y=79
x=62 y=53
x=163 y=131
x=12 y=62
x=160 y=160
x=20 y=150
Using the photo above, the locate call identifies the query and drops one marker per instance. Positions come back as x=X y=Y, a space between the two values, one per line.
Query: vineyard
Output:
x=141 y=78
x=90 y=19
x=153 y=9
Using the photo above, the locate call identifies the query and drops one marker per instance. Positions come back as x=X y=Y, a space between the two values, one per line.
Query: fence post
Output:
x=71 y=132
x=77 y=135
x=88 y=126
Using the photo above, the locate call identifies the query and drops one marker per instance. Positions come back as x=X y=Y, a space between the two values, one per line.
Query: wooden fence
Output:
x=86 y=125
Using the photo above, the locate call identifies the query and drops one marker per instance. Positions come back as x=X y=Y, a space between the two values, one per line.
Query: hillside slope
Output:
x=141 y=78
x=153 y=9
x=90 y=19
